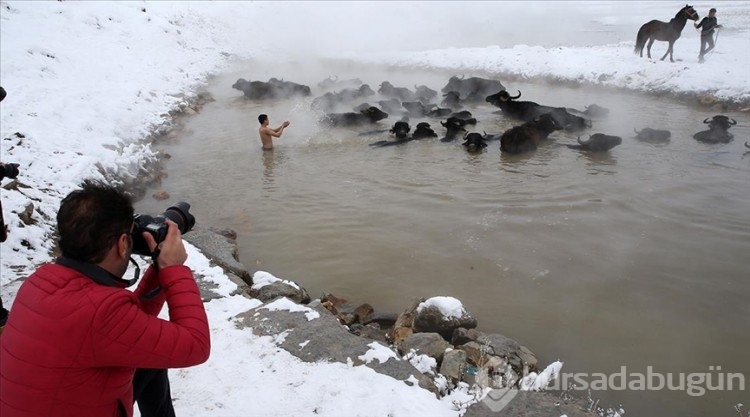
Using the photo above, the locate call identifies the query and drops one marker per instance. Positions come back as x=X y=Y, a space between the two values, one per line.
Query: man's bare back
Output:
x=267 y=134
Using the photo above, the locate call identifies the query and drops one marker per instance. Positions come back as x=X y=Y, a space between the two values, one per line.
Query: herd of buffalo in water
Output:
x=539 y=121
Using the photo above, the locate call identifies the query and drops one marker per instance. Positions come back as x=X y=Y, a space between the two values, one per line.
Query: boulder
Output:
x=454 y=363
x=430 y=344
x=402 y=328
x=267 y=287
x=517 y=355
x=442 y=315
x=462 y=335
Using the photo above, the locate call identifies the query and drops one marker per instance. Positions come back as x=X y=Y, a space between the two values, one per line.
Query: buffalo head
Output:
x=501 y=97
x=400 y=129
x=474 y=142
x=374 y=114
x=720 y=122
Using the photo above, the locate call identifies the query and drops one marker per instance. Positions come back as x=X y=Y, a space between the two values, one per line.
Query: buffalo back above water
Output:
x=473 y=88
x=272 y=89
x=526 y=137
x=368 y=116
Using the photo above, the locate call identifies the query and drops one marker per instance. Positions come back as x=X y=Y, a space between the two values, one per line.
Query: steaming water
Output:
x=632 y=258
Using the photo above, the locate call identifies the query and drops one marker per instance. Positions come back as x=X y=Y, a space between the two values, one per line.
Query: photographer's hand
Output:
x=171 y=250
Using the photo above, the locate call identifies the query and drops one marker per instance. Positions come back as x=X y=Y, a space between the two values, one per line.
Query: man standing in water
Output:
x=267 y=134
x=707 y=26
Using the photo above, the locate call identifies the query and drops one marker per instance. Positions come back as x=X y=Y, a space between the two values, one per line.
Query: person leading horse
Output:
x=657 y=30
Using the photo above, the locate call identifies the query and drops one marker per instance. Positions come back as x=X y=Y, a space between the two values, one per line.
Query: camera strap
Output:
x=99 y=274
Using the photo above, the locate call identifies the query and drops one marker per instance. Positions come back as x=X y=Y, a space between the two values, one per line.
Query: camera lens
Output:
x=180 y=214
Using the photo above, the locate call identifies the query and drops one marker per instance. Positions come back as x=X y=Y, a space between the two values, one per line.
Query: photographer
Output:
x=78 y=342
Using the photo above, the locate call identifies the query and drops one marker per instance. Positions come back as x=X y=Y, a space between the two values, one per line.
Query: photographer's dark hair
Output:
x=262 y=118
x=90 y=220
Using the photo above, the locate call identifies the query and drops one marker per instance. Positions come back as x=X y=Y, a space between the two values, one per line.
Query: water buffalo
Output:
x=425 y=94
x=463 y=114
x=392 y=105
x=596 y=110
x=436 y=111
x=363 y=106
x=388 y=90
x=272 y=89
x=423 y=130
x=454 y=127
x=415 y=108
x=529 y=110
x=598 y=142
x=400 y=129
x=452 y=99
x=526 y=137
x=371 y=115
x=473 y=88
x=653 y=135
x=328 y=102
x=474 y=142
x=718 y=130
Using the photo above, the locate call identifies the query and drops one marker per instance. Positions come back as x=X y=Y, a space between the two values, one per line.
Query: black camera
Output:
x=9 y=171
x=157 y=226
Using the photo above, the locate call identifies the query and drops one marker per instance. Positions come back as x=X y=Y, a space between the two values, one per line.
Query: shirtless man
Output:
x=266 y=133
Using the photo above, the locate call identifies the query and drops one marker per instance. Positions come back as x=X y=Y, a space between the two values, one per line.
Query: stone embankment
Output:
x=433 y=343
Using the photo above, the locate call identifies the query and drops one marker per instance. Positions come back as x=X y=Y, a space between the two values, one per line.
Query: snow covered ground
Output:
x=88 y=81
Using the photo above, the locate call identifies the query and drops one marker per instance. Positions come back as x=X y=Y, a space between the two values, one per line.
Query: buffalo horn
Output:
x=706 y=121
x=746 y=145
x=518 y=96
x=734 y=122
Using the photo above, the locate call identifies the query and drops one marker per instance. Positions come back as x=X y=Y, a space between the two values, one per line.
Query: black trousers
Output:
x=151 y=392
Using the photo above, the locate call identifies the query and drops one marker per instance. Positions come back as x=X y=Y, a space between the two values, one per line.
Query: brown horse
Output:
x=657 y=30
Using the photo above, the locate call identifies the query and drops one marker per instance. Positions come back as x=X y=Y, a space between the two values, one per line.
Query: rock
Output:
x=430 y=344
x=384 y=320
x=161 y=195
x=25 y=215
x=280 y=289
x=220 y=250
x=517 y=355
x=334 y=300
x=363 y=313
x=227 y=233
x=373 y=332
x=462 y=335
x=454 y=363
x=402 y=328
x=430 y=318
x=473 y=353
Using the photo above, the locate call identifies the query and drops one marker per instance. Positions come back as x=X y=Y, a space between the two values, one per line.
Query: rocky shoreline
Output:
x=422 y=345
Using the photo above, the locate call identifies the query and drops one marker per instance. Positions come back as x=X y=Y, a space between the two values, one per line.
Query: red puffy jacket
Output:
x=71 y=345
